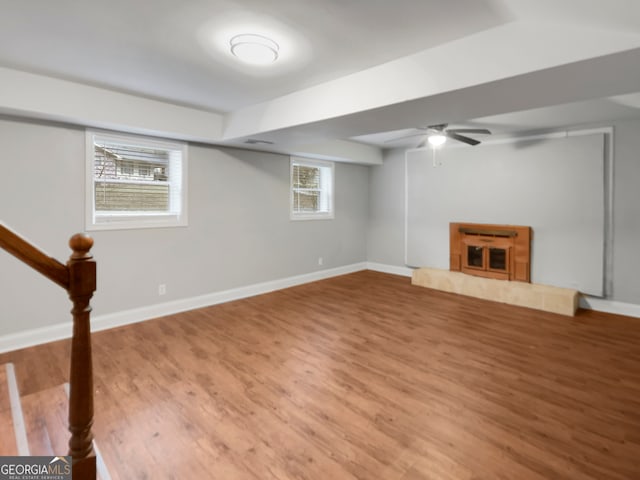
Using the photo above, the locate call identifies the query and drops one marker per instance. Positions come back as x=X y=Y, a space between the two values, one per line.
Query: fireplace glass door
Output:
x=488 y=260
x=475 y=256
x=497 y=259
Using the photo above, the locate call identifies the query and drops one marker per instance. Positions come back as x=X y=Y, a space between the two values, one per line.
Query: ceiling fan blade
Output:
x=422 y=144
x=404 y=136
x=477 y=131
x=462 y=138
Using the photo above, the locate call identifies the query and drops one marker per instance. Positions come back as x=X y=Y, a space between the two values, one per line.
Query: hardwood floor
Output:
x=362 y=377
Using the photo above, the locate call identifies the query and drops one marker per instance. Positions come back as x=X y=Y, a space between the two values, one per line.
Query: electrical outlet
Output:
x=162 y=289
x=320 y=261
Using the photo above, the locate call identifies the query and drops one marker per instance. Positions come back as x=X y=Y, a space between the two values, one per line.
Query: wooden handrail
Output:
x=27 y=253
x=78 y=277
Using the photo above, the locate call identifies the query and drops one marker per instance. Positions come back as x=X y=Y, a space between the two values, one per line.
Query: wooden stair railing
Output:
x=78 y=277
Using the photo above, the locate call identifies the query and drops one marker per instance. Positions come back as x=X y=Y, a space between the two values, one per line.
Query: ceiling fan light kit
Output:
x=437 y=135
x=436 y=139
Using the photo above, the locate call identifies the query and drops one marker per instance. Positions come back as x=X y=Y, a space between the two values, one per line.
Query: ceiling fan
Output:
x=437 y=134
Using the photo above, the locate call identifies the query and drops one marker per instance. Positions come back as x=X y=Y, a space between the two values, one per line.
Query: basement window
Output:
x=311 y=189
x=135 y=182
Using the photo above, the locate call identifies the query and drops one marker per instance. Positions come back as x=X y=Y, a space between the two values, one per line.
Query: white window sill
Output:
x=312 y=216
x=136 y=221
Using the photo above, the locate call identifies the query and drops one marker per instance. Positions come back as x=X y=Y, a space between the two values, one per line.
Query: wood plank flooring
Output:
x=46 y=416
x=362 y=377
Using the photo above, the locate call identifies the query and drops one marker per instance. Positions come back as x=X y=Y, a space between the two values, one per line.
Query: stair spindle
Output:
x=82 y=284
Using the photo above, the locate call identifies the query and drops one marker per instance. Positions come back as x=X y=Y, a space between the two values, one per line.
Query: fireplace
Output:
x=493 y=251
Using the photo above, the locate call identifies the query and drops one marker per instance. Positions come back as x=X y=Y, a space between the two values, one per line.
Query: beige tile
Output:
x=541 y=297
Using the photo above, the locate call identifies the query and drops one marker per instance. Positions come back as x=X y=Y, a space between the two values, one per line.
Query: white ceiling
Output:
x=596 y=112
x=348 y=68
x=177 y=50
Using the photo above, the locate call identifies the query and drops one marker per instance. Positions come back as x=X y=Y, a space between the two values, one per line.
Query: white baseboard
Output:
x=393 y=269
x=60 y=331
x=29 y=338
x=35 y=336
x=610 y=306
x=587 y=302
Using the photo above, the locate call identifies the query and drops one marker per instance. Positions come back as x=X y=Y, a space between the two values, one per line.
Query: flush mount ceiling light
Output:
x=436 y=139
x=254 y=49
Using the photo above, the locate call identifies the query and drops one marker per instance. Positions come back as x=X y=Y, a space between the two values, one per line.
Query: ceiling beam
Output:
x=378 y=97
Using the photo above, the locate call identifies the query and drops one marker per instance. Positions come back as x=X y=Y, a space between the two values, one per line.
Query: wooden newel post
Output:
x=82 y=284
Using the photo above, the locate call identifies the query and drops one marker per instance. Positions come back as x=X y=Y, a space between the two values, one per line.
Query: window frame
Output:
x=327 y=190
x=176 y=216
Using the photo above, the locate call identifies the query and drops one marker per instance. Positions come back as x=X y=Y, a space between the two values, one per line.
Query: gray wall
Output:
x=554 y=185
x=239 y=229
x=626 y=218
x=385 y=232
x=385 y=240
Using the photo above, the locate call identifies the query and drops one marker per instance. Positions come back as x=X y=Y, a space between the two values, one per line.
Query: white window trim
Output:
x=132 y=219
x=330 y=214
